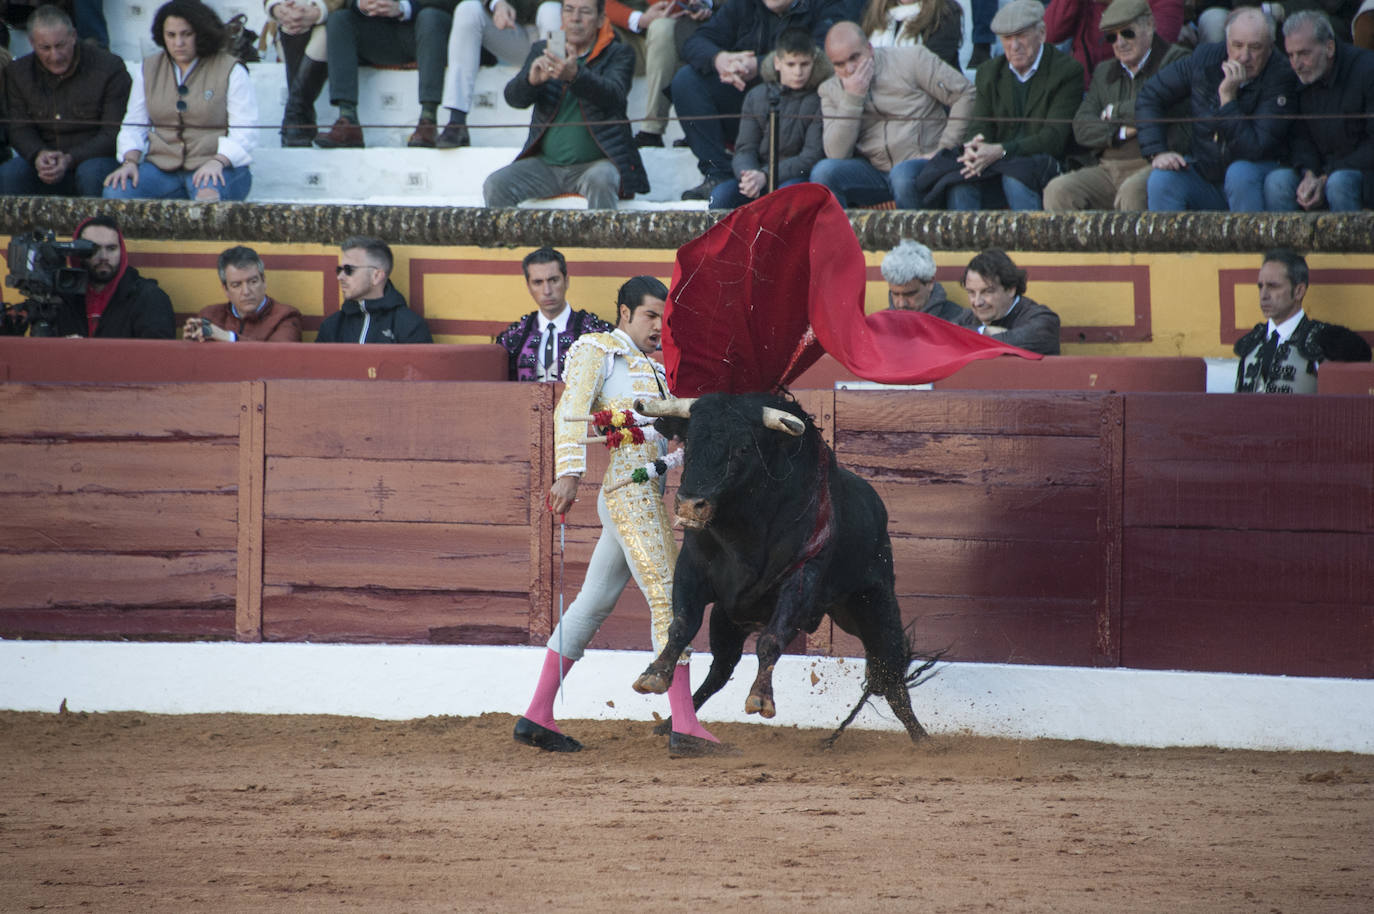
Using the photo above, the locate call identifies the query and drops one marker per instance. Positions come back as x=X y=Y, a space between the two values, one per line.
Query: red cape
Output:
x=758 y=297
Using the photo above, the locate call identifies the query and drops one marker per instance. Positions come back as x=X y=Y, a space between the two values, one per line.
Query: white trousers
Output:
x=608 y=572
x=473 y=29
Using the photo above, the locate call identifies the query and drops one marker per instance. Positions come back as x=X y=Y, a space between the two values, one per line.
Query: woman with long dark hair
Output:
x=189 y=128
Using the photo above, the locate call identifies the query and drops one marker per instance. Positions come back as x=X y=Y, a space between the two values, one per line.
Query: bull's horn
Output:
x=783 y=421
x=678 y=408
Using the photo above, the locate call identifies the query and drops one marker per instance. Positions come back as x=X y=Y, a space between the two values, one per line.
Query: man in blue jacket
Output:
x=722 y=64
x=1241 y=94
x=1332 y=152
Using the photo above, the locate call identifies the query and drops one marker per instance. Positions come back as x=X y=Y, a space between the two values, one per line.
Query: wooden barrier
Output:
x=1085 y=528
x=120 y=361
x=1346 y=378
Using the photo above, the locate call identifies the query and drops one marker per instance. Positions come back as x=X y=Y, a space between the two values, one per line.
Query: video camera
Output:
x=38 y=269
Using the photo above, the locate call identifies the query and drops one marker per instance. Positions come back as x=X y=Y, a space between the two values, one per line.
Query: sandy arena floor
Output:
x=140 y=813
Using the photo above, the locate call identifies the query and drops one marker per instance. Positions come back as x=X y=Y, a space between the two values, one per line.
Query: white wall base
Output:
x=1127 y=707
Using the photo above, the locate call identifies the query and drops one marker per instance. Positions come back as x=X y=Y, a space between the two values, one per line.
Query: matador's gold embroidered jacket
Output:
x=608 y=371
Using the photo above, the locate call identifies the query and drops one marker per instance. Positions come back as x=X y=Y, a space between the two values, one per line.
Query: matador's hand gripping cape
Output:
x=758 y=297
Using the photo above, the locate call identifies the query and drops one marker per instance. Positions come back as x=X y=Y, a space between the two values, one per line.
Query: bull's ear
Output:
x=672 y=427
x=783 y=421
x=680 y=407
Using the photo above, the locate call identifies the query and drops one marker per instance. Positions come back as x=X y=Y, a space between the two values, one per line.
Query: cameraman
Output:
x=118 y=303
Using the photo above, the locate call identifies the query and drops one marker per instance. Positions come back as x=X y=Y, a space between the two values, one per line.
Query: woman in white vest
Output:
x=189 y=130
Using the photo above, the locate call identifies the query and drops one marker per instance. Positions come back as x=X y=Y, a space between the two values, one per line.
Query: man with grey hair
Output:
x=1333 y=140
x=1105 y=122
x=250 y=313
x=1240 y=97
x=65 y=102
x=909 y=270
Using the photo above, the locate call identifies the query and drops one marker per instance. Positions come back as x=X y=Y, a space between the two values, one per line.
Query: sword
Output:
x=562 y=558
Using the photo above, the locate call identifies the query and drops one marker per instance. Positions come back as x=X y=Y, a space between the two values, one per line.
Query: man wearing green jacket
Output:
x=1021 y=115
x=1105 y=122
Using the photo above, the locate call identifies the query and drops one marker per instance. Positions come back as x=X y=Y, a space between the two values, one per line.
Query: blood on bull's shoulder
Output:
x=777 y=537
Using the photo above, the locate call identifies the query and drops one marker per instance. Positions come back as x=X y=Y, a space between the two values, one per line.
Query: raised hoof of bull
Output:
x=684 y=745
x=652 y=682
x=758 y=704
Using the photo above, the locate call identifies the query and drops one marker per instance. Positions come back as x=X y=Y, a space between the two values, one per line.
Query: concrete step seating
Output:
x=387 y=172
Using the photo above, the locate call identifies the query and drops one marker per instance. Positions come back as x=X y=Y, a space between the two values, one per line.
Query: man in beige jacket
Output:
x=883 y=115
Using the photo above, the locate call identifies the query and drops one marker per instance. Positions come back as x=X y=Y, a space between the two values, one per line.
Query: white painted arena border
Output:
x=1126 y=707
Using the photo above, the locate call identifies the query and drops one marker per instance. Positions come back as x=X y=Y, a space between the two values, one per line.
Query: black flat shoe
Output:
x=684 y=745
x=540 y=737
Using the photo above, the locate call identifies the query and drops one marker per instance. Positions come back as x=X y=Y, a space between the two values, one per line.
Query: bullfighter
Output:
x=606 y=373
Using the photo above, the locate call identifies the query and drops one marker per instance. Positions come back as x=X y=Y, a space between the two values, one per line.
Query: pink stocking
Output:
x=541 y=705
x=680 y=704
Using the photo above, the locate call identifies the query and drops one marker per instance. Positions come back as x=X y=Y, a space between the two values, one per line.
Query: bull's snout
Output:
x=694 y=513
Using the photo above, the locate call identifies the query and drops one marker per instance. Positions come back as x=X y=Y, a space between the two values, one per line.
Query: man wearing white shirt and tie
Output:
x=1281 y=355
x=538 y=343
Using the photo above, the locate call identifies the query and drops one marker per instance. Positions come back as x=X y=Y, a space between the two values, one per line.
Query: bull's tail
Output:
x=920 y=667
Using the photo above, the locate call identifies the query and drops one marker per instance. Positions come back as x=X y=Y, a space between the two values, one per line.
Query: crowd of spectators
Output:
x=1081 y=104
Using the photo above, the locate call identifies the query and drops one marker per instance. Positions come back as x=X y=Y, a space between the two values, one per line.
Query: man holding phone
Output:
x=578 y=82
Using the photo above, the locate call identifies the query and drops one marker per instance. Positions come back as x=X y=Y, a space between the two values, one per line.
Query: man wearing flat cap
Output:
x=1022 y=110
x=1105 y=122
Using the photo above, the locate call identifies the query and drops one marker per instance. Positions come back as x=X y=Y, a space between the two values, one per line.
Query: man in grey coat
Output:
x=909 y=270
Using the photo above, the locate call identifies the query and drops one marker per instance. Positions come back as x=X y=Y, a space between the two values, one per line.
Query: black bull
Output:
x=778 y=535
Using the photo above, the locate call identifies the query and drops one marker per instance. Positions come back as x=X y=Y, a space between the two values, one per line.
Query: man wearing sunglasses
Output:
x=1105 y=122
x=1082 y=21
x=373 y=310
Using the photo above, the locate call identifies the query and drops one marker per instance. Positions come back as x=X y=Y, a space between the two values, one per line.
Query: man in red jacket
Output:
x=250 y=313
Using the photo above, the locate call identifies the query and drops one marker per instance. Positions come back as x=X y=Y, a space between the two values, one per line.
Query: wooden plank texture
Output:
x=123 y=466
x=401 y=556
x=1265 y=463
x=411 y=420
x=206 y=622
x=973 y=413
x=1247 y=568
x=996 y=568
x=1270 y=637
x=144 y=522
x=251 y=468
x=379 y=615
x=1010 y=629
x=122 y=411
x=1036 y=514
x=313 y=488
x=1031 y=460
x=39 y=579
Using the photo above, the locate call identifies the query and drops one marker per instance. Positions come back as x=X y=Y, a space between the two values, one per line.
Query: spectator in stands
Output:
x=980 y=15
x=909 y=270
x=999 y=306
x=1240 y=94
x=1281 y=355
x=203 y=111
x=1105 y=122
x=1362 y=26
x=65 y=100
x=506 y=28
x=884 y=117
x=1334 y=154
x=250 y=313
x=1212 y=15
x=568 y=151
x=1022 y=119
x=790 y=78
x=655 y=31
x=934 y=24
x=722 y=64
x=301 y=40
x=386 y=33
x=118 y=302
x=373 y=310
x=1080 y=20
x=537 y=344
